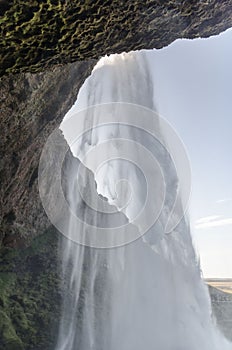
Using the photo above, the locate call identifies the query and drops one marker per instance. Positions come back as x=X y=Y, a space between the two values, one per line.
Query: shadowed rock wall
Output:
x=31 y=107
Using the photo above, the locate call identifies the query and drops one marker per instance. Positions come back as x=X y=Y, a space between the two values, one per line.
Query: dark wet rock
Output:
x=31 y=107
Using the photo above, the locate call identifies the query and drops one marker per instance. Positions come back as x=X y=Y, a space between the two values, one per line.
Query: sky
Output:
x=193 y=91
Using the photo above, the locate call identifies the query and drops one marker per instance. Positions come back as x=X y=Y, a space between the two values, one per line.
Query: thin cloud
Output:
x=207 y=219
x=213 y=222
x=224 y=200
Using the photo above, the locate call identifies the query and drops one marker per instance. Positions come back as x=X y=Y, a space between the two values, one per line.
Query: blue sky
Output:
x=193 y=90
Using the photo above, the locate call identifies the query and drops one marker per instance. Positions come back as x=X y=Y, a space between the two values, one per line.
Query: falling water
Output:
x=147 y=294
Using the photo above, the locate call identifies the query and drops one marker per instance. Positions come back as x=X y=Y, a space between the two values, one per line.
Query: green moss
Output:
x=29 y=295
x=7 y=281
x=67 y=31
x=9 y=338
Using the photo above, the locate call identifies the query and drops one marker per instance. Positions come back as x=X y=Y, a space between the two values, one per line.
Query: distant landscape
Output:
x=224 y=285
x=221 y=298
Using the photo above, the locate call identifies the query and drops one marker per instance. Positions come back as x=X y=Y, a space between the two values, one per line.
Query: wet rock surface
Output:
x=31 y=107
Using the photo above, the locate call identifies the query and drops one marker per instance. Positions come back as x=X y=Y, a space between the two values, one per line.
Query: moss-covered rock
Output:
x=30 y=297
x=9 y=338
x=35 y=34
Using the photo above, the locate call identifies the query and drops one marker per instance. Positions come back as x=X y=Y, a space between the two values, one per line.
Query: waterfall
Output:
x=129 y=284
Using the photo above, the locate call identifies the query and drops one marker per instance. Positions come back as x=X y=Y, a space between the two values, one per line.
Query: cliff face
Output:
x=222 y=310
x=32 y=105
